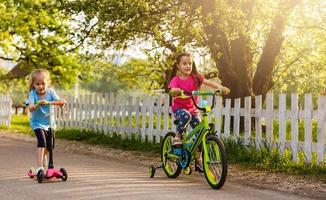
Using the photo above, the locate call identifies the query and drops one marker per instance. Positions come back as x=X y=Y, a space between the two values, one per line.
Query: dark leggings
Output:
x=43 y=138
x=184 y=117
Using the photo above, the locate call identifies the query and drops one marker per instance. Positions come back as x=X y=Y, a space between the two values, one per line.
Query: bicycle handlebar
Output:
x=187 y=94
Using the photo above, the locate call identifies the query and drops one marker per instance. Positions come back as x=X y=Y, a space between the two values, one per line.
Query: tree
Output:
x=38 y=33
x=244 y=37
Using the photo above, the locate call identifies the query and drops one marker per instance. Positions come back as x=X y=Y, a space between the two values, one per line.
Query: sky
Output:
x=7 y=64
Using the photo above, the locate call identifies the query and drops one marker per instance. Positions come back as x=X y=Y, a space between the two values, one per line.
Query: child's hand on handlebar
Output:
x=175 y=91
x=42 y=102
x=225 y=90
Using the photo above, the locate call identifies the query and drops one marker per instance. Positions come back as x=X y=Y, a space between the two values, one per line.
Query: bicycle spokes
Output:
x=215 y=162
x=171 y=165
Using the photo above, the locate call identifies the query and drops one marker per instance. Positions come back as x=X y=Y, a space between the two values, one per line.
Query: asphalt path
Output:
x=99 y=178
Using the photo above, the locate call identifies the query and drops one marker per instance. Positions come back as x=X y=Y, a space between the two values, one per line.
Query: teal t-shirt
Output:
x=40 y=117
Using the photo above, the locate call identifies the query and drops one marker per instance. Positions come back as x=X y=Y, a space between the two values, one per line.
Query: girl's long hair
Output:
x=36 y=73
x=194 y=71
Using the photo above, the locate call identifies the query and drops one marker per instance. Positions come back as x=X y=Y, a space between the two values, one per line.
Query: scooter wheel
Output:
x=40 y=176
x=64 y=174
x=151 y=171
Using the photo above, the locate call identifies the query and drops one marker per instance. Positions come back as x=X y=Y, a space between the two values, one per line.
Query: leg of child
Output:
x=41 y=143
x=40 y=156
x=184 y=117
x=46 y=158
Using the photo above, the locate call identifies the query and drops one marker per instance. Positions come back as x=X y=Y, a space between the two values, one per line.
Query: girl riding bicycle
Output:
x=185 y=77
x=39 y=95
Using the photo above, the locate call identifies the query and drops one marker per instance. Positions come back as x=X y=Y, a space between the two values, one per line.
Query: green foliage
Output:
x=133 y=75
x=172 y=26
x=20 y=124
x=38 y=33
x=272 y=160
x=301 y=66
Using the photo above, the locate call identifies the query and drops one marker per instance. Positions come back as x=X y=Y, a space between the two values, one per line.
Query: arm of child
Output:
x=31 y=100
x=216 y=86
x=174 y=92
x=55 y=97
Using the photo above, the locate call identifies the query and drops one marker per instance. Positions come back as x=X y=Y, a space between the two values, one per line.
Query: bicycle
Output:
x=214 y=156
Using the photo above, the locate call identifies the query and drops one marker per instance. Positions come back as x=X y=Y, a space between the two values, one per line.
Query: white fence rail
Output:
x=5 y=110
x=150 y=117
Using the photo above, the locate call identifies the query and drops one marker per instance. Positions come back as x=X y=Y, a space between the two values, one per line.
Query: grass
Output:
x=273 y=160
x=20 y=124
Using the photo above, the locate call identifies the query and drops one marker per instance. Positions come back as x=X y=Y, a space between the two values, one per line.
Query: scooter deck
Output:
x=50 y=173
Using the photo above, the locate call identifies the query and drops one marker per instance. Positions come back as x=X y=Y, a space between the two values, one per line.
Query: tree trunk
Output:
x=262 y=81
x=233 y=57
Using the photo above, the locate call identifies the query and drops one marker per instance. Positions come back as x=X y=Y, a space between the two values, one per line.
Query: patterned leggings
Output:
x=185 y=117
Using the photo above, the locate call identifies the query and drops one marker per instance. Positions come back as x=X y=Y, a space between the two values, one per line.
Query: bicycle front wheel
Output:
x=215 y=165
x=170 y=162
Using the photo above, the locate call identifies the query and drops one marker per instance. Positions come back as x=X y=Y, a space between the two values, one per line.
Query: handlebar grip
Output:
x=58 y=102
x=202 y=92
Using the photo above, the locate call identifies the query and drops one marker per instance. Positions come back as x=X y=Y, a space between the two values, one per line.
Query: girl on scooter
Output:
x=39 y=95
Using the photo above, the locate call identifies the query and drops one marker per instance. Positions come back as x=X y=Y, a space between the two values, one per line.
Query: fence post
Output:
x=151 y=118
x=123 y=109
x=308 y=127
x=158 y=118
x=166 y=113
x=218 y=115
x=247 y=120
x=269 y=118
x=321 y=133
x=227 y=118
x=282 y=121
x=143 y=118
x=111 y=112
x=130 y=109
x=294 y=126
x=138 y=109
x=106 y=113
x=236 y=119
x=258 y=115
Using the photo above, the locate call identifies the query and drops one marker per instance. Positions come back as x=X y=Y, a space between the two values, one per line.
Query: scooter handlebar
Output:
x=55 y=103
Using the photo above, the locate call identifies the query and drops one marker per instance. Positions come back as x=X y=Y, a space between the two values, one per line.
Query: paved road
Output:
x=94 y=178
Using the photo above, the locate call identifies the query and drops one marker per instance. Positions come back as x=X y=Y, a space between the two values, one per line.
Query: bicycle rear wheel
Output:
x=215 y=167
x=171 y=165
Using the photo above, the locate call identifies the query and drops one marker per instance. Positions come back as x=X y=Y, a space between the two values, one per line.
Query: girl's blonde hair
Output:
x=36 y=73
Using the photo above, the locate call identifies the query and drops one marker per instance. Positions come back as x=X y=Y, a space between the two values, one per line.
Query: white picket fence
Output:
x=150 y=117
x=5 y=110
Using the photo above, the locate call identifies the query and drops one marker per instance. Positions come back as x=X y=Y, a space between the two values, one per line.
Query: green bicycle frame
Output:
x=202 y=129
x=200 y=132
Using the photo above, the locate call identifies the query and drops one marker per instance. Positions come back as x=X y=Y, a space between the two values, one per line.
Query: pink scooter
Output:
x=51 y=172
